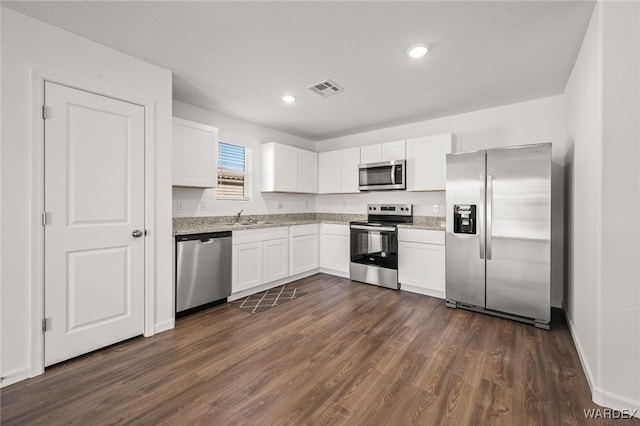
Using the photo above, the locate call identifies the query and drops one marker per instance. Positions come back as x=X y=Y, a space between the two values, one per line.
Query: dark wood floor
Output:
x=345 y=353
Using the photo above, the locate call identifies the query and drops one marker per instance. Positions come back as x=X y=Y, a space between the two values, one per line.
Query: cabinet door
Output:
x=350 y=159
x=195 y=154
x=285 y=168
x=307 y=171
x=246 y=266
x=304 y=253
x=276 y=260
x=393 y=151
x=427 y=162
x=423 y=266
x=329 y=172
x=335 y=252
x=371 y=154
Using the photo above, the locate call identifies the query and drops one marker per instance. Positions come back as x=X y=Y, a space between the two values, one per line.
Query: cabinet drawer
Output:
x=253 y=235
x=335 y=229
x=421 y=236
x=309 y=229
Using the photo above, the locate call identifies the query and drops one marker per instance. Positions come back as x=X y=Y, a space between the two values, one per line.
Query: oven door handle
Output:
x=374 y=228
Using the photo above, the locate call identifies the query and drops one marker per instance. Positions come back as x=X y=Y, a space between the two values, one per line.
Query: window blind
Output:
x=234 y=171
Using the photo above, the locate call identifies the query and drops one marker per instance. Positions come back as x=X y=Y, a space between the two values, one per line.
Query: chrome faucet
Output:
x=238 y=215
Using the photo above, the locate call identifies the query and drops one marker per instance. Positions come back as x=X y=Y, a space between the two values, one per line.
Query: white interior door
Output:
x=94 y=199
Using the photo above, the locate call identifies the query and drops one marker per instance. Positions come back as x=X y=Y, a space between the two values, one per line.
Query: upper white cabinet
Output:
x=371 y=153
x=307 y=171
x=382 y=152
x=393 y=151
x=288 y=169
x=195 y=154
x=427 y=162
x=338 y=171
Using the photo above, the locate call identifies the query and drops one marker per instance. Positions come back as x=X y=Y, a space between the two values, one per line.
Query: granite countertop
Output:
x=203 y=224
x=197 y=225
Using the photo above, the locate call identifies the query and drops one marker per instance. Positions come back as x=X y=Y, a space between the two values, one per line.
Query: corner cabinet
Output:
x=421 y=261
x=427 y=162
x=338 y=171
x=335 y=254
x=195 y=154
x=303 y=248
x=288 y=169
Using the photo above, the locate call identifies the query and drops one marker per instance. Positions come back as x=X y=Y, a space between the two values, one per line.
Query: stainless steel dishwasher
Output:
x=203 y=270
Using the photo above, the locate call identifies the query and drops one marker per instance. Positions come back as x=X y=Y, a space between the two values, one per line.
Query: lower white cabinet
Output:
x=259 y=256
x=276 y=262
x=421 y=261
x=303 y=244
x=334 y=245
x=246 y=266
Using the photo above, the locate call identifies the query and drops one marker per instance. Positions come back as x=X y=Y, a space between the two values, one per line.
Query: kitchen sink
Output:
x=247 y=223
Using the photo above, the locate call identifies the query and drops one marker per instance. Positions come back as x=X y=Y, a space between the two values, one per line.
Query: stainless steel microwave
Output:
x=383 y=175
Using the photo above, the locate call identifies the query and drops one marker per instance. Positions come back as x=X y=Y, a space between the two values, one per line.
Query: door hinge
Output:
x=46 y=324
x=46 y=218
x=44 y=112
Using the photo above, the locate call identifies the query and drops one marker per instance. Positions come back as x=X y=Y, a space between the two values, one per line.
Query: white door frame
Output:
x=38 y=78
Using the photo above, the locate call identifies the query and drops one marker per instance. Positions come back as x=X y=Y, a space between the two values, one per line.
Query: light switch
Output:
x=179 y=205
x=436 y=208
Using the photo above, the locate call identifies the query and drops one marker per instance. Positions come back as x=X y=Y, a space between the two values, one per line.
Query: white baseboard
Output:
x=14 y=376
x=165 y=325
x=423 y=291
x=599 y=395
x=334 y=272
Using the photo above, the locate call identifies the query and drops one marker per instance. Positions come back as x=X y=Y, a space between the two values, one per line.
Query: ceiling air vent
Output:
x=325 y=88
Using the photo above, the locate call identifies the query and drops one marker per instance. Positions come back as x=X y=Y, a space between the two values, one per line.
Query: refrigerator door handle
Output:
x=489 y=214
x=481 y=216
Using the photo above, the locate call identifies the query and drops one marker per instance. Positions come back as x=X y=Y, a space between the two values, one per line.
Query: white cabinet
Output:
x=288 y=169
x=275 y=260
x=382 y=152
x=334 y=248
x=328 y=177
x=303 y=245
x=371 y=153
x=421 y=261
x=307 y=171
x=338 y=171
x=259 y=256
x=246 y=266
x=195 y=154
x=393 y=151
x=426 y=162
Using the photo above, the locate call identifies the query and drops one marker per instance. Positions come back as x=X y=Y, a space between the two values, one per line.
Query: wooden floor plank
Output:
x=346 y=353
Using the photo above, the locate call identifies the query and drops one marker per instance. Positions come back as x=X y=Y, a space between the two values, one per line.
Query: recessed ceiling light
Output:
x=288 y=99
x=418 y=50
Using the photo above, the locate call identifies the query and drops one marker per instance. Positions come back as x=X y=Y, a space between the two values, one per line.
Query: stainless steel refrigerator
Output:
x=498 y=237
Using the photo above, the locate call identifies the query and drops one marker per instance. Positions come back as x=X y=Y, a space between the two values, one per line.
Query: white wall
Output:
x=583 y=176
x=603 y=185
x=244 y=133
x=620 y=287
x=537 y=121
x=31 y=48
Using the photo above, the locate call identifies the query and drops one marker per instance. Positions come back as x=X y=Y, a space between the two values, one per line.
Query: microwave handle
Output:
x=393 y=174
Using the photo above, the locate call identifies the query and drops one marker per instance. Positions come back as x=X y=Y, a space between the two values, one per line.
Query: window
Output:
x=234 y=172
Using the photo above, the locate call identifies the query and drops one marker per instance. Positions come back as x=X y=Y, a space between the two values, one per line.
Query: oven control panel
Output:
x=390 y=209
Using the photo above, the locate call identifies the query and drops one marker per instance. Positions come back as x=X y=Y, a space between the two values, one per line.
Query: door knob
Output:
x=136 y=233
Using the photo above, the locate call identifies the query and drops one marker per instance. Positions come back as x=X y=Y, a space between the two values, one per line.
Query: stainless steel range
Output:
x=374 y=244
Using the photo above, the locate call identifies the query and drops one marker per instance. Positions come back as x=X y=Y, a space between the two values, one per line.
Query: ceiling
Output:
x=238 y=57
